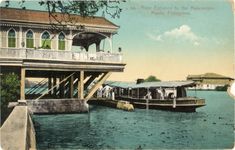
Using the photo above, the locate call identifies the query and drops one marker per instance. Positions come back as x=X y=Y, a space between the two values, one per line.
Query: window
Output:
x=61 y=40
x=29 y=39
x=46 y=42
x=12 y=38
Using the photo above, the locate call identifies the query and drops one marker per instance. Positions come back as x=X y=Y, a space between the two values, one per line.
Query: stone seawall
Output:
x=57 y=106
x=17 y=132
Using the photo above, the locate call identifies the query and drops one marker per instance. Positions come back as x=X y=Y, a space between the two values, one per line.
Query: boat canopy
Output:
x=120 y=84
x=163 y=84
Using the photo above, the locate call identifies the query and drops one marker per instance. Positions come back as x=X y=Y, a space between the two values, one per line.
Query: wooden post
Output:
x=49 y=85
x=54 y=84
x=89 y=81
x=81 y=85
x=22 y=84
x=61 y=87
x=71 y=86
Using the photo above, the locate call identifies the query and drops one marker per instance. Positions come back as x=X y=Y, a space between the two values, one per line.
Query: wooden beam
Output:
x=71 y=89
x=54 y=85
x=81 y=85
x=49 y=85
x=89 y=81
x=61 y=87
x=97 y=85
x=22 y=84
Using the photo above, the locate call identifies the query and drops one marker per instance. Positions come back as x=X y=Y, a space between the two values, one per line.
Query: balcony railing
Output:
x=60 y=55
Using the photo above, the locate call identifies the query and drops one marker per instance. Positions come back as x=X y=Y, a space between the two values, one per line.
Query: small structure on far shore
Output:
x=210 y=81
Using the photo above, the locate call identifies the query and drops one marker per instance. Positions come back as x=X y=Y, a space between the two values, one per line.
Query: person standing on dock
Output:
x=149 y=95
x=107 y=92
x=113 y=94
x=161 y=93
x=99 y=92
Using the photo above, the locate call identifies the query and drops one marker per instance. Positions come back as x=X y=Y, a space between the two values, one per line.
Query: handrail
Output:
x=60 y=55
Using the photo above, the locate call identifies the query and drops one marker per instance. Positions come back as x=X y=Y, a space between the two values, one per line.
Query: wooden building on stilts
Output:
x=32 y=48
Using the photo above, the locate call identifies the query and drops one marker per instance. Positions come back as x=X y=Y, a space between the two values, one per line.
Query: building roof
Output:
x=36 y=16
x=164 y=84
x=208 y=76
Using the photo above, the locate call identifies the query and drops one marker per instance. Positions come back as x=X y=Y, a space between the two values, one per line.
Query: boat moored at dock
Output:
x=165 y=95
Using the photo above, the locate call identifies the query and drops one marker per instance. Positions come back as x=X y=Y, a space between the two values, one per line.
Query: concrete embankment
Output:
x=57 y=106
x=124 y=105
x=17 y=132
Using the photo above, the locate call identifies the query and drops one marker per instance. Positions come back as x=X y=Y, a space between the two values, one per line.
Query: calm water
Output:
x=105 y=128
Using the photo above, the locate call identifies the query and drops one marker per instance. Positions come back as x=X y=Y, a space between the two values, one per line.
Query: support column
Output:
x=71 y=86
x=56 y=39
x=61 y=87
x=70 y=40
x=97 y=46
x=50 y=85
x=54 y=84
x=22 y=84
x=20 y=38
x=86 y=47
x=81 y=85
x=111 y=43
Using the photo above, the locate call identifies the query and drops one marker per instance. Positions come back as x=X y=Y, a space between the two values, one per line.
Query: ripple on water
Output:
x=105 y=128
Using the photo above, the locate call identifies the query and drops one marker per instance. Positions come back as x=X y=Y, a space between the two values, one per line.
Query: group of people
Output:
x=106 y=92
x=161 y=94
x=109 y=93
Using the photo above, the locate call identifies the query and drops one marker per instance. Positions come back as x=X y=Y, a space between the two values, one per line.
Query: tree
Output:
x=79 y=7
x=84 y=8
x=152 y=78
x=9 y=92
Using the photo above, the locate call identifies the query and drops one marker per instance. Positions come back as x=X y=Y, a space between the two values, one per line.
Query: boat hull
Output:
x=187 y=104
x=168 y=108
x=182 y=105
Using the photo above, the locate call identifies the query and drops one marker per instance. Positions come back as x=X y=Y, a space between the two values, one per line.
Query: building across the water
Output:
x=210 y=81
x=33 y=48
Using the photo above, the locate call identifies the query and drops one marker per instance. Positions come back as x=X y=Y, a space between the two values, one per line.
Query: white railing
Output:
x=60 y=55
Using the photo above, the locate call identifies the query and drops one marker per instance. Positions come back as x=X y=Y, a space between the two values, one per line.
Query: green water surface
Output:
x=211 y=127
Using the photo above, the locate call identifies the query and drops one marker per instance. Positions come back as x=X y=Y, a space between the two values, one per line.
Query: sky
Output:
x=171 y=39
